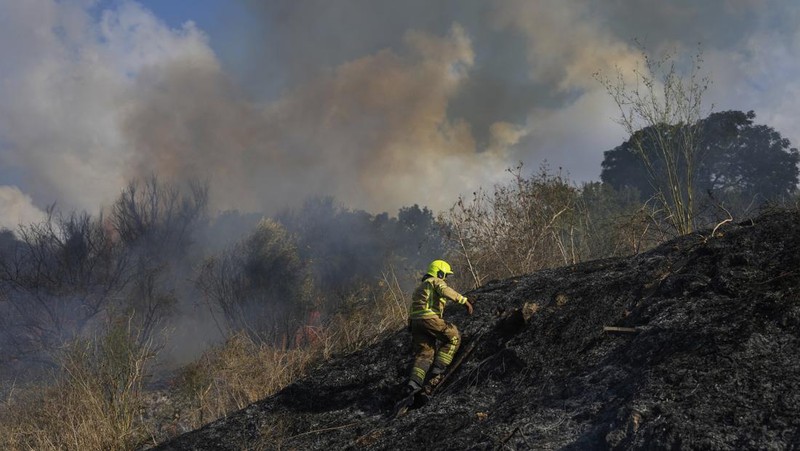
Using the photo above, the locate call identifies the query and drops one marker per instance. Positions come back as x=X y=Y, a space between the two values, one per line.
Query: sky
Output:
x=379 y=103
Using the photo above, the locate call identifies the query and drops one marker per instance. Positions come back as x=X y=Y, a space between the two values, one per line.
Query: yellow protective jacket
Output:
x=430 y=297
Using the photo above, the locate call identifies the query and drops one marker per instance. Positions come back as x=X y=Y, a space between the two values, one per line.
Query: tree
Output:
x=742 y=157
x=60 y=275
x=259 y=286
x=158 y=216
x=156 y=222
x=417 y=235
x=349 y=248
x=740 y=160
x=660 y=109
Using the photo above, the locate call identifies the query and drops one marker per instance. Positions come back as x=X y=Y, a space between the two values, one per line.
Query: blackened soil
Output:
x=714 y=363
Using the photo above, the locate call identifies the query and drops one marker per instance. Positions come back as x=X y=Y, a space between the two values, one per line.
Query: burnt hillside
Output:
x=714 y=364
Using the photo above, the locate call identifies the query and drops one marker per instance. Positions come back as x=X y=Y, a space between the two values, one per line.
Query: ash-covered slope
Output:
x=715 y=363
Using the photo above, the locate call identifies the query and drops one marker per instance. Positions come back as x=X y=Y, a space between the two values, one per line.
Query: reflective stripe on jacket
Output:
x=430 y=298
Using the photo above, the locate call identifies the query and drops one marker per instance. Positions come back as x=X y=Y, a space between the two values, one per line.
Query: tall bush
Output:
x=259 y=286
x=542 y=221
x=660 y=108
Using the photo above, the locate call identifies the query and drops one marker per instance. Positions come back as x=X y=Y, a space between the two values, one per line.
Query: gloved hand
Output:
x=468 y=305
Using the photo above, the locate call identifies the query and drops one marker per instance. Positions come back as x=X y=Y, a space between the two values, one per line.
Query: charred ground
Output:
x=714 y=363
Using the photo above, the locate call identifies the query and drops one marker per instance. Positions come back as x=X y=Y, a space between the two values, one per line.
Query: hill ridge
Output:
x=714 y=364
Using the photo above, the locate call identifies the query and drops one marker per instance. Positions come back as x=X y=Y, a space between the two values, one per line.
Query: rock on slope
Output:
x=715 y=363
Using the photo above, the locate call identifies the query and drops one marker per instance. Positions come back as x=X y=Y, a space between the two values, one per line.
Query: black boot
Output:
x=412 y=387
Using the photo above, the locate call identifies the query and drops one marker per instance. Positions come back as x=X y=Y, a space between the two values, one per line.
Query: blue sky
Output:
x=224 y=21
x=174 y=13
x=276 y=101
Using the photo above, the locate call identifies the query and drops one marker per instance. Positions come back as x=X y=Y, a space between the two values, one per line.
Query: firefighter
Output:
x=428 y=327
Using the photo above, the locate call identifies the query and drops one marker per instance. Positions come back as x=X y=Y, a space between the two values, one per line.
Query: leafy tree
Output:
x=747 y=158
x=416 y=237
x=740 y=160
x=343 y=247
x=259 y=286
x=348 y=248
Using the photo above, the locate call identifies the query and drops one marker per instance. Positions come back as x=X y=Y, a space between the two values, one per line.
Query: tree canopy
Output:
x=736 y=158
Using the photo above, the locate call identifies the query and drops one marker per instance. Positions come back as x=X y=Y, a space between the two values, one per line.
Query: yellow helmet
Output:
x=439 y=268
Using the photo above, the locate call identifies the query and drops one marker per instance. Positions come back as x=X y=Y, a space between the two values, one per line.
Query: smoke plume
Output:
x=374 y=131
x=379 y=103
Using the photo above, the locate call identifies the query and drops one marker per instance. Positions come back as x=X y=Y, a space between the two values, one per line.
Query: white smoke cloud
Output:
x=17 y=209
x=66 y=81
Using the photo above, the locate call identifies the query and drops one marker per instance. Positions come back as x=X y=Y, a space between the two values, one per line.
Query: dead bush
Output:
x=56 y=280
x=543 y=221
x=520 y=227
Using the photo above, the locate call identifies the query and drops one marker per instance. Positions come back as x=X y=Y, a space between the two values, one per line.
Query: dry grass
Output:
x=239 y=372
x=366 y=316
x=242 y=371
x=94 y=403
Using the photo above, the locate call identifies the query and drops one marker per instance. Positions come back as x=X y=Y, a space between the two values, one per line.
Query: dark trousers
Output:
x=425 y=333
